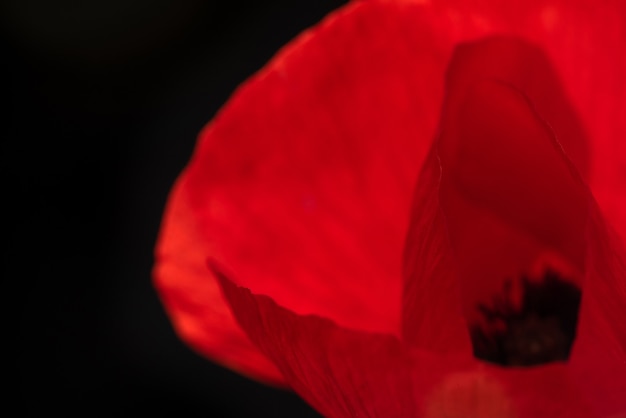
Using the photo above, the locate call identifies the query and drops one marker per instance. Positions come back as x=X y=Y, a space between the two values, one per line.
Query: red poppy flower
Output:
x=417 y=210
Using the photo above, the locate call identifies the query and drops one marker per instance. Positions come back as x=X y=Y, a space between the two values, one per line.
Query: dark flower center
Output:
x=540 y=330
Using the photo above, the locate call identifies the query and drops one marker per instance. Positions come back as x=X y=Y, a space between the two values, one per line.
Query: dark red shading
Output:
x=585 y=42
x=431 y=287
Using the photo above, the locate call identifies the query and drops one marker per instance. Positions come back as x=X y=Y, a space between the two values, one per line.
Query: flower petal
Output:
x=368 y=41
x=586 y=41
x=598 y=360
x=510 y=194
x=430 y=277
x=302 y=184
x=525 y=67
x=501 y=167
x=193 y=299
x=432 y=315
x=513 y=209
x=347 y=373
x=581 y=37
x=340 y=373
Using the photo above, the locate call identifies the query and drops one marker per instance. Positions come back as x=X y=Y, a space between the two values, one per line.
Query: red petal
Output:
x=339 y=372
x=586 y=41
x=302 y=184
x=598 y=360
x=432 y=316
x=525 y=67
x=346 y=373
x=328 y=74
x=507 y=193
x=193 y=299
x=431 y=289
x=510 y=194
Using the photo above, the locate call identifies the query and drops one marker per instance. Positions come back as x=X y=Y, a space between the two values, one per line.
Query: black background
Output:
x=105 y=100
